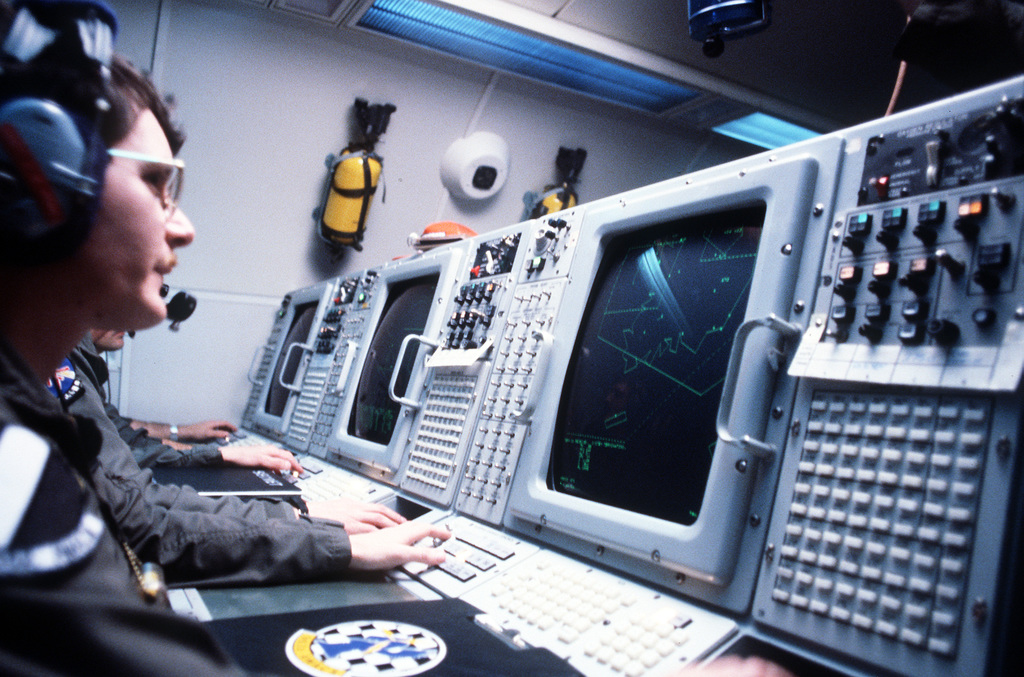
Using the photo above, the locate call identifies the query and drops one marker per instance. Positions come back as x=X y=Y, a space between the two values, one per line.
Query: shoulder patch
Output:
x=46 y=522
x=65 y=384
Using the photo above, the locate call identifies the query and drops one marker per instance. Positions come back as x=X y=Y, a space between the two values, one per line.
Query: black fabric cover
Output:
x=258 y=642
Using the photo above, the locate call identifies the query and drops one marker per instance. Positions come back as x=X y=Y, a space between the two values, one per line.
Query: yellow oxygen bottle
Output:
x=568 y=164
x=353 y=182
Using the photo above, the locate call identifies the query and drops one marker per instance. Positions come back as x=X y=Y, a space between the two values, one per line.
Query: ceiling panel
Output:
x=825 y=64
x=830 y=57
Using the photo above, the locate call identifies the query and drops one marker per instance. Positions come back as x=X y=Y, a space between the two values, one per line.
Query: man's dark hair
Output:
x=132 y=92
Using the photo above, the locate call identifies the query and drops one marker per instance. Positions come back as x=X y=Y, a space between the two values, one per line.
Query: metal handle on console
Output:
x=346 y=367
x=547 y=341
x=258 y=353
x=288 y=353
x=398 y=366
x=788 y=331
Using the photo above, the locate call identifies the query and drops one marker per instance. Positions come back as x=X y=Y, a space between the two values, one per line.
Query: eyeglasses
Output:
x=168 y=180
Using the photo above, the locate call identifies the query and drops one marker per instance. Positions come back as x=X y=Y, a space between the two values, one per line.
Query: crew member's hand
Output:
x=206 y=431
x=734 y=666
x=388 y=548
x=261 y=456
x=358 y=517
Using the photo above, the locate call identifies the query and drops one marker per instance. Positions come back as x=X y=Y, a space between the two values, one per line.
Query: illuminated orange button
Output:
x=849 y=273
x=973 y=206
x=884 y=270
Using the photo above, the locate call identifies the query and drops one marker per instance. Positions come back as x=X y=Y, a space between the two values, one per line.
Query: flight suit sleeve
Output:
x=219 y=541
x=150 y=452
x=222 y=541
x=200 y=539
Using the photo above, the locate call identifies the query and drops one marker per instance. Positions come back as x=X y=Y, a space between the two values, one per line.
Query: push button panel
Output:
x=947 y=265
x=877 y=523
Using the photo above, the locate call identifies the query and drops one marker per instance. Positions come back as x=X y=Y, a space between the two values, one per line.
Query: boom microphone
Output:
x=179 y=308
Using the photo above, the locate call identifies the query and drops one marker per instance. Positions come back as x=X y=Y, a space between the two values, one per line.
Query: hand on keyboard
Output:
x=358 y=517
x=206 y=431
x=261 y=456
x=389 y=548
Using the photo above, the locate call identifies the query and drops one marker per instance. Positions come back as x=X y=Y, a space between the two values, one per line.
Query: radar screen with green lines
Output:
x=636 y=423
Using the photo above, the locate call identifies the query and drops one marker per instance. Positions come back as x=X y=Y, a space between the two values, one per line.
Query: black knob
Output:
x=853 y=244
x=925 y=234
x=967 y=227
x=846 y=291
x=916 y=283
x=943 y=331
x=1004 y=200
x=987 y=280
x=872 y=332
x=879 y=288
x=888 y=239
x=951 y=264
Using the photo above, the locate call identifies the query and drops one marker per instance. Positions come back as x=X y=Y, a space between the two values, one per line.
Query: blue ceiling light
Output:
x=765 y=131
x=509 y=50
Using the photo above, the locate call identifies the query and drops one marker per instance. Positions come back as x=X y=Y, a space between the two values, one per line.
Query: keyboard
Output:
x=601 y=623
x=323 y=481
x=883 y=515
x=320 y=479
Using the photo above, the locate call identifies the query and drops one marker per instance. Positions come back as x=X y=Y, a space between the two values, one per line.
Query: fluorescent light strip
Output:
x=508 y=50
x=764 y=130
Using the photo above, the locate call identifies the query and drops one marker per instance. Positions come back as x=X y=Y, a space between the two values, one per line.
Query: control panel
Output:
x=890 y=521
x=518 y=362
x=292 y=368
x=921 y=277
x=433 y=464
x=877 y=512
x=477 y=404
x=302 y=425
x=350 y=306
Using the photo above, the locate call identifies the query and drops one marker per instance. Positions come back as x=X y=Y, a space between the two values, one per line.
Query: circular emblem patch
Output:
x=361 y=648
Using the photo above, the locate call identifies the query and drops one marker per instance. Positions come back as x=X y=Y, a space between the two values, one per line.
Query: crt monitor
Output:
x=286 y=356
x=374 y=413
x=406 y=299
x=633 y=464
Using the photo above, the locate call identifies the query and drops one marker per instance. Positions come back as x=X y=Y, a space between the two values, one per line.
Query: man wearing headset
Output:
x=88 y=230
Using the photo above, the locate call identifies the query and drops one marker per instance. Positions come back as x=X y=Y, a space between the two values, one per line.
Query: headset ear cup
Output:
x=51 y=170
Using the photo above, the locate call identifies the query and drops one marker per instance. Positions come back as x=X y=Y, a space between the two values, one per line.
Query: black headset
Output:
x=53 y=97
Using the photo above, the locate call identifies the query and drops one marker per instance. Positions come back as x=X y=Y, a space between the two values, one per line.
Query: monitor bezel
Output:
x=320 y=294
x=371 y=458
x=704 y=554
